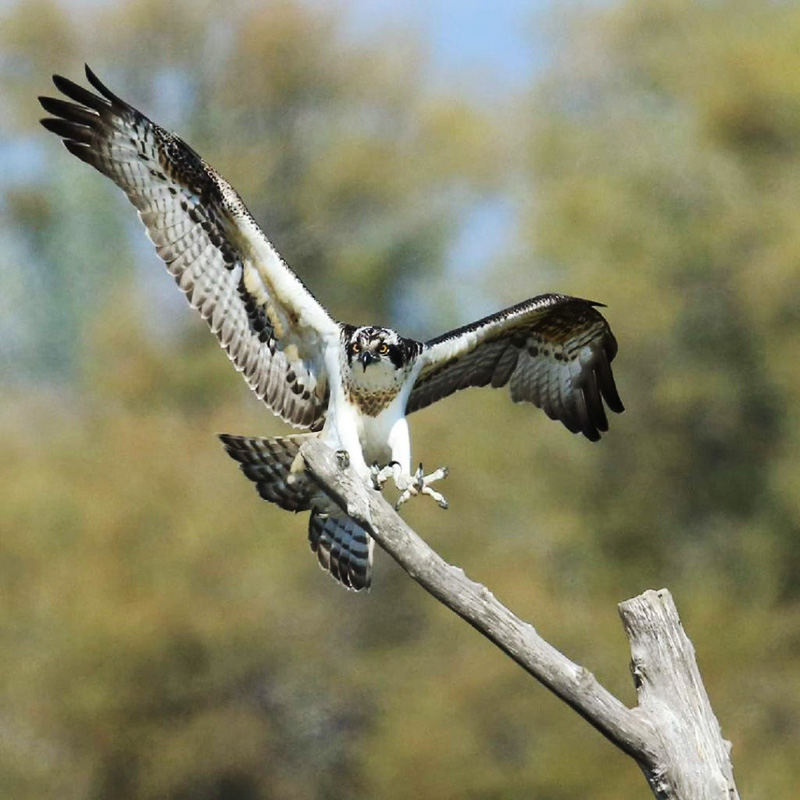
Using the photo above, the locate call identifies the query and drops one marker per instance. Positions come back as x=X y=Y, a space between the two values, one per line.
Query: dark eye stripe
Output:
x=396 y=356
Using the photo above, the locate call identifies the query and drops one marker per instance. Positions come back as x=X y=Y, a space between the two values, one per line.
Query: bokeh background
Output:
x=167 y=635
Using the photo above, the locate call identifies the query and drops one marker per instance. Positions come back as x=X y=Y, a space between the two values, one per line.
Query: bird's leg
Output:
x=382 y=474
x=410 y=485
x=419 y=483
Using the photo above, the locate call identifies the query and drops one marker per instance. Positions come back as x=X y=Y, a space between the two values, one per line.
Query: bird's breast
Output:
x=374 y=389
x=376 y=432
x=371 y=401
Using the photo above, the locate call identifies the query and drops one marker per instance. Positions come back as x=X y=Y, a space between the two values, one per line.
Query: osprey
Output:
x=351 y=386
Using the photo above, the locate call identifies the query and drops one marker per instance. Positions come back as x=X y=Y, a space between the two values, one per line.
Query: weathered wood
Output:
x=693 y=760
x=672 y=734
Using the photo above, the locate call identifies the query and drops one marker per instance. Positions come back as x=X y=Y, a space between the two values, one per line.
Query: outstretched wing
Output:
x=554 y=351
x=270 y=325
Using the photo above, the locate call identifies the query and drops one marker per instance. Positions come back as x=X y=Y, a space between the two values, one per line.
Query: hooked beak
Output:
x=366 y=358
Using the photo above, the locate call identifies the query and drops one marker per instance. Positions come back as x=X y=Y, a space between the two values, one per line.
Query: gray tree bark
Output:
x=672 y=733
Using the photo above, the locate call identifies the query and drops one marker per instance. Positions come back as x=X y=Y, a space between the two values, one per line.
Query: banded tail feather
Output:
x=268 y=463
x=343 y=548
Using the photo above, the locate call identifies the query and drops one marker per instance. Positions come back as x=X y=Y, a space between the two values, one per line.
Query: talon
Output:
x=419 y=483
x=437 y=496
x=343 y=457
x=375 y=474
x=405 y=497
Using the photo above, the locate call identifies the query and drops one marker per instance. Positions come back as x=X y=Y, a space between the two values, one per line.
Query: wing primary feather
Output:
x=209 y=242
x=608 y=387
x=70 y=111
x=553 y=351
x=68 y=130
x=103 y=89
x=583 y=419
x=81 y=151
x=79 y=94
x=594 y=403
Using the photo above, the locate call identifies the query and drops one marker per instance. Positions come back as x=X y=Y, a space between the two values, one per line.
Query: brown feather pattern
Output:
x=199 y=227
x=554 y=351
x=268 y=463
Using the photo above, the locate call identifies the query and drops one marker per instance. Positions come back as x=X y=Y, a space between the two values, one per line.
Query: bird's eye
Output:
x=383 y=349
x=356 y=347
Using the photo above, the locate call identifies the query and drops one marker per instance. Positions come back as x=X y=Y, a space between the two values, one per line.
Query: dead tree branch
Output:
x=672 y=734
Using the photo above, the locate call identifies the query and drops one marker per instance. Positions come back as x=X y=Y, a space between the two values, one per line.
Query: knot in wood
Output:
x=638 y=672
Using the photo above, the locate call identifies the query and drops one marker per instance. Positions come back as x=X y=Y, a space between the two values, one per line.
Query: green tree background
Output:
x=166 y=635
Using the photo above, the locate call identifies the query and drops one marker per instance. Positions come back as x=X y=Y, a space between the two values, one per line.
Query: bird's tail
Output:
x=268 y=463
x=343 y=548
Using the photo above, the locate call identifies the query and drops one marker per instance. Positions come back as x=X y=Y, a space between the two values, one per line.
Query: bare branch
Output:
x=694 y=759
x=674 y=715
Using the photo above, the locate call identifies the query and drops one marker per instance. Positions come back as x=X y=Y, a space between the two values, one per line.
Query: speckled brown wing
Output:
x=553 y=351
x=269 y=324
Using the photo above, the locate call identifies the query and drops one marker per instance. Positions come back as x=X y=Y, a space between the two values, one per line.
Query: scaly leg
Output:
x=399 y=468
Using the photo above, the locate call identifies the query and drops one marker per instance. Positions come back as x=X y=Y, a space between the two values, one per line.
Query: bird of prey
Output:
x=351 y=386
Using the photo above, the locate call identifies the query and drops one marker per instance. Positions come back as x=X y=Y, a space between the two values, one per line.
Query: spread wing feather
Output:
x=269 y=324
x=553 y=351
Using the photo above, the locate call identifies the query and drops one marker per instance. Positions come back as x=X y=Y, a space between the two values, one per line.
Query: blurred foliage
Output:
x=166 y=635
x=668 y=160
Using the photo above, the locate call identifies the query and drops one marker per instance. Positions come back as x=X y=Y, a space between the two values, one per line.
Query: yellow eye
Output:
x=356 y=347
x=383 y=349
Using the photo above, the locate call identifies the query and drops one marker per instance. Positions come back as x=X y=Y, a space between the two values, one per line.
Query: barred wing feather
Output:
x=269 y=324
x=553 y=351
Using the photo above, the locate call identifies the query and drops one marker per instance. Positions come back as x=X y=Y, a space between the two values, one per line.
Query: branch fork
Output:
x=672 y=733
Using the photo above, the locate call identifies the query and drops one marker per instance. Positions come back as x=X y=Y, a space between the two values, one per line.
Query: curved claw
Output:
x=437 y=496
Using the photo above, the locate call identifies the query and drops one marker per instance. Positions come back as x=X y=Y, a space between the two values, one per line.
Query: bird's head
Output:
x=378 y=348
